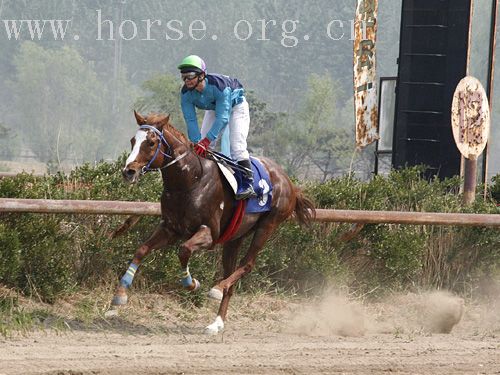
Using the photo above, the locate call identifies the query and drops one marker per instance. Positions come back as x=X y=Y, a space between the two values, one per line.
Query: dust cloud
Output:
x=336 y=314
x=333 y=315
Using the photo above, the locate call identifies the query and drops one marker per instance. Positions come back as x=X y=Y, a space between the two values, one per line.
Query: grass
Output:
x=16 y=318
x=173 y=313
x=87 y=310
x=145 y=313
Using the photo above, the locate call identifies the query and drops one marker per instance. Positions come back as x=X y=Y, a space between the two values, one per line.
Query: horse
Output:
x=197 y=205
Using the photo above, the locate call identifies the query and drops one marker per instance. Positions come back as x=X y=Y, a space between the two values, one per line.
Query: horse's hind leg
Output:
x=261 y=235
x=229 y=259
x=161 y=237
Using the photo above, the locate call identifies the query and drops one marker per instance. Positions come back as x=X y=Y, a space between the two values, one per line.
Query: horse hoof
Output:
x=196 y=286
x=215 y=293
x=119 y=300
x=215 y=327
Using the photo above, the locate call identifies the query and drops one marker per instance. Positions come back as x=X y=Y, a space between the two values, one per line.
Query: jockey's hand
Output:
x=202 y=146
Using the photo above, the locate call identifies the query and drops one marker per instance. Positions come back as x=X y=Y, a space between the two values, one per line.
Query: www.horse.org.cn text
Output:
x=289 y=32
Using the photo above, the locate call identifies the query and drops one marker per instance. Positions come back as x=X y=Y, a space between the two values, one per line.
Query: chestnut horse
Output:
x=197 y=205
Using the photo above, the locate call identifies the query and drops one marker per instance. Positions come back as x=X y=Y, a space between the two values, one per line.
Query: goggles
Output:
x=189 y=76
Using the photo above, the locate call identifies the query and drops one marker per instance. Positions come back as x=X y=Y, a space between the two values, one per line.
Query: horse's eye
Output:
x=151 y=143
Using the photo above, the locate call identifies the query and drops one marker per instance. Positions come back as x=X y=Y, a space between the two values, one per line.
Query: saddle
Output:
x=233 y=172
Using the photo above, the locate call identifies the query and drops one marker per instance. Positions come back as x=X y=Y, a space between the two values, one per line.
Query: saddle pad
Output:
x=262 y=186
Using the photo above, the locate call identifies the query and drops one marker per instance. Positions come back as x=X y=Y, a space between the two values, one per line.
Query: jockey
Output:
x=223 y=100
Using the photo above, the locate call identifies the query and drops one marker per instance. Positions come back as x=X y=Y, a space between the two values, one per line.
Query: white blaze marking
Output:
x=140 y=137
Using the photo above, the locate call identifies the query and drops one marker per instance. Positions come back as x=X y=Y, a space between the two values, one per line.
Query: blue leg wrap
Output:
x=186 y=278
x=127 y=279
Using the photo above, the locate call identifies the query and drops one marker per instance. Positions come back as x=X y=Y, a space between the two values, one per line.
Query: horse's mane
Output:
x=155 y=118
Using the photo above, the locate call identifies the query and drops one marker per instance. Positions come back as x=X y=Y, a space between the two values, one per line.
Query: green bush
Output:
x=10 y=256
x=51 y=255
x=495 y=188
x=48 y=268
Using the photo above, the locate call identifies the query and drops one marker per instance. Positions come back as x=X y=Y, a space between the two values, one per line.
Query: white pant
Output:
x=239 y=123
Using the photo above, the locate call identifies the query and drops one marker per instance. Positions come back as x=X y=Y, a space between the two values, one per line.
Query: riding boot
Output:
x=246 y=190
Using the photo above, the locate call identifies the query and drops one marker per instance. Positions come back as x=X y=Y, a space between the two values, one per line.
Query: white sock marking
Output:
x=215 y=327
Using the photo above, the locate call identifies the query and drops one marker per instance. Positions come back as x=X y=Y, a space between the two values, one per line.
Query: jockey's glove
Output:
x=202 y=146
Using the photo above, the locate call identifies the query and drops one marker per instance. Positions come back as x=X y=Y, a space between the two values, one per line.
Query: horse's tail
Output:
x=129 y=223
x=304 y=208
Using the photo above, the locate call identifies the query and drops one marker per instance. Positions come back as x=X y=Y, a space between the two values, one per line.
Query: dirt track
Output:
x=290 y=339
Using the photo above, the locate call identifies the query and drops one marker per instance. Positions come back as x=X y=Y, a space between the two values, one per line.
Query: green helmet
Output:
x=192 y=63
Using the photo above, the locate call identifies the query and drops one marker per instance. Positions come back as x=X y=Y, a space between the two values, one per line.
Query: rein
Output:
x=147 y=168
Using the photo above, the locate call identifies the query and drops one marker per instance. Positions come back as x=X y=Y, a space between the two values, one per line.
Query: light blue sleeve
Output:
x=189 y=112
x=222 y=112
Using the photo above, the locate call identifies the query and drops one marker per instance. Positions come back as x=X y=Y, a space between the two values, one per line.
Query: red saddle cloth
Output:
x=235 y=223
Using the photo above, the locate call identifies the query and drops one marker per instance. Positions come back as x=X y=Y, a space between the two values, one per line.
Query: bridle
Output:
x=147 y=167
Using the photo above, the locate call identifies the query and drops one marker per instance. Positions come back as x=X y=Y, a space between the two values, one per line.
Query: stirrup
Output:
x=249 y=192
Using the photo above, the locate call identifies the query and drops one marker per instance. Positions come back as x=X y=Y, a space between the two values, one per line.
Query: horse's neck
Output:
x=184 y=173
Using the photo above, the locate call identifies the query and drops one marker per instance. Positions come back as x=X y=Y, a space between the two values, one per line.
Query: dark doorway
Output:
x=432 y=60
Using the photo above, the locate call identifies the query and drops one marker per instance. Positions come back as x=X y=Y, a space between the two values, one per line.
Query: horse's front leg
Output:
x=202 y=239
x=161 y=237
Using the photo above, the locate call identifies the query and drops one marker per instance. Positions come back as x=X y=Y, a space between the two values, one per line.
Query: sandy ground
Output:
x=269 y=335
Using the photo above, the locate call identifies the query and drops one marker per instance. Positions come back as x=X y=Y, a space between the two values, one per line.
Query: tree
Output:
x=63 y=108
x=317 y=134
x=163 y=95
x=9 y=142
x=263 y=123
x=259 y=53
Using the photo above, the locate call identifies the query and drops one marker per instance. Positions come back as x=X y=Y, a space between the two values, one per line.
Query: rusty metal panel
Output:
x=365 y=85
x=470 y=117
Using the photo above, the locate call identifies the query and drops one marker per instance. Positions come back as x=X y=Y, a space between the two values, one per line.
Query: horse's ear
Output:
x=140 y=120
x=164 y=122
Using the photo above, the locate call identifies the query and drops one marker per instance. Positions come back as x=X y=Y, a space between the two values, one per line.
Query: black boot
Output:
x=246 y=190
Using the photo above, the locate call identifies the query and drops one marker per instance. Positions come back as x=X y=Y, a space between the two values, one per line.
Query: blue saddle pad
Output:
x=262 y=186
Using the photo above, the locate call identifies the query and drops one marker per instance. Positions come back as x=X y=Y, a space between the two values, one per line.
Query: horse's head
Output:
x=147 y=146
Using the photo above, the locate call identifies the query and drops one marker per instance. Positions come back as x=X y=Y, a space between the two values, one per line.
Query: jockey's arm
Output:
x=222 y=112
x=189 y=113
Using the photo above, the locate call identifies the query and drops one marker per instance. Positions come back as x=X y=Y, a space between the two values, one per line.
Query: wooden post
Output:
x=470 y=180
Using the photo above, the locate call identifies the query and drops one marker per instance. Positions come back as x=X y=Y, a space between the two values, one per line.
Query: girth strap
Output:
x=235 y=223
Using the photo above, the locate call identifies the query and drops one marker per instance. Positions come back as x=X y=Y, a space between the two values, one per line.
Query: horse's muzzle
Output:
x=130 y=175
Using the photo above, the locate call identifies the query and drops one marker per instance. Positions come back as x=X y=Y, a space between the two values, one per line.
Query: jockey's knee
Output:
x=239 y=155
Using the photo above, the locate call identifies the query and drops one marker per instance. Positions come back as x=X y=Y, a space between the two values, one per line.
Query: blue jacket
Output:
x=221 y=93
